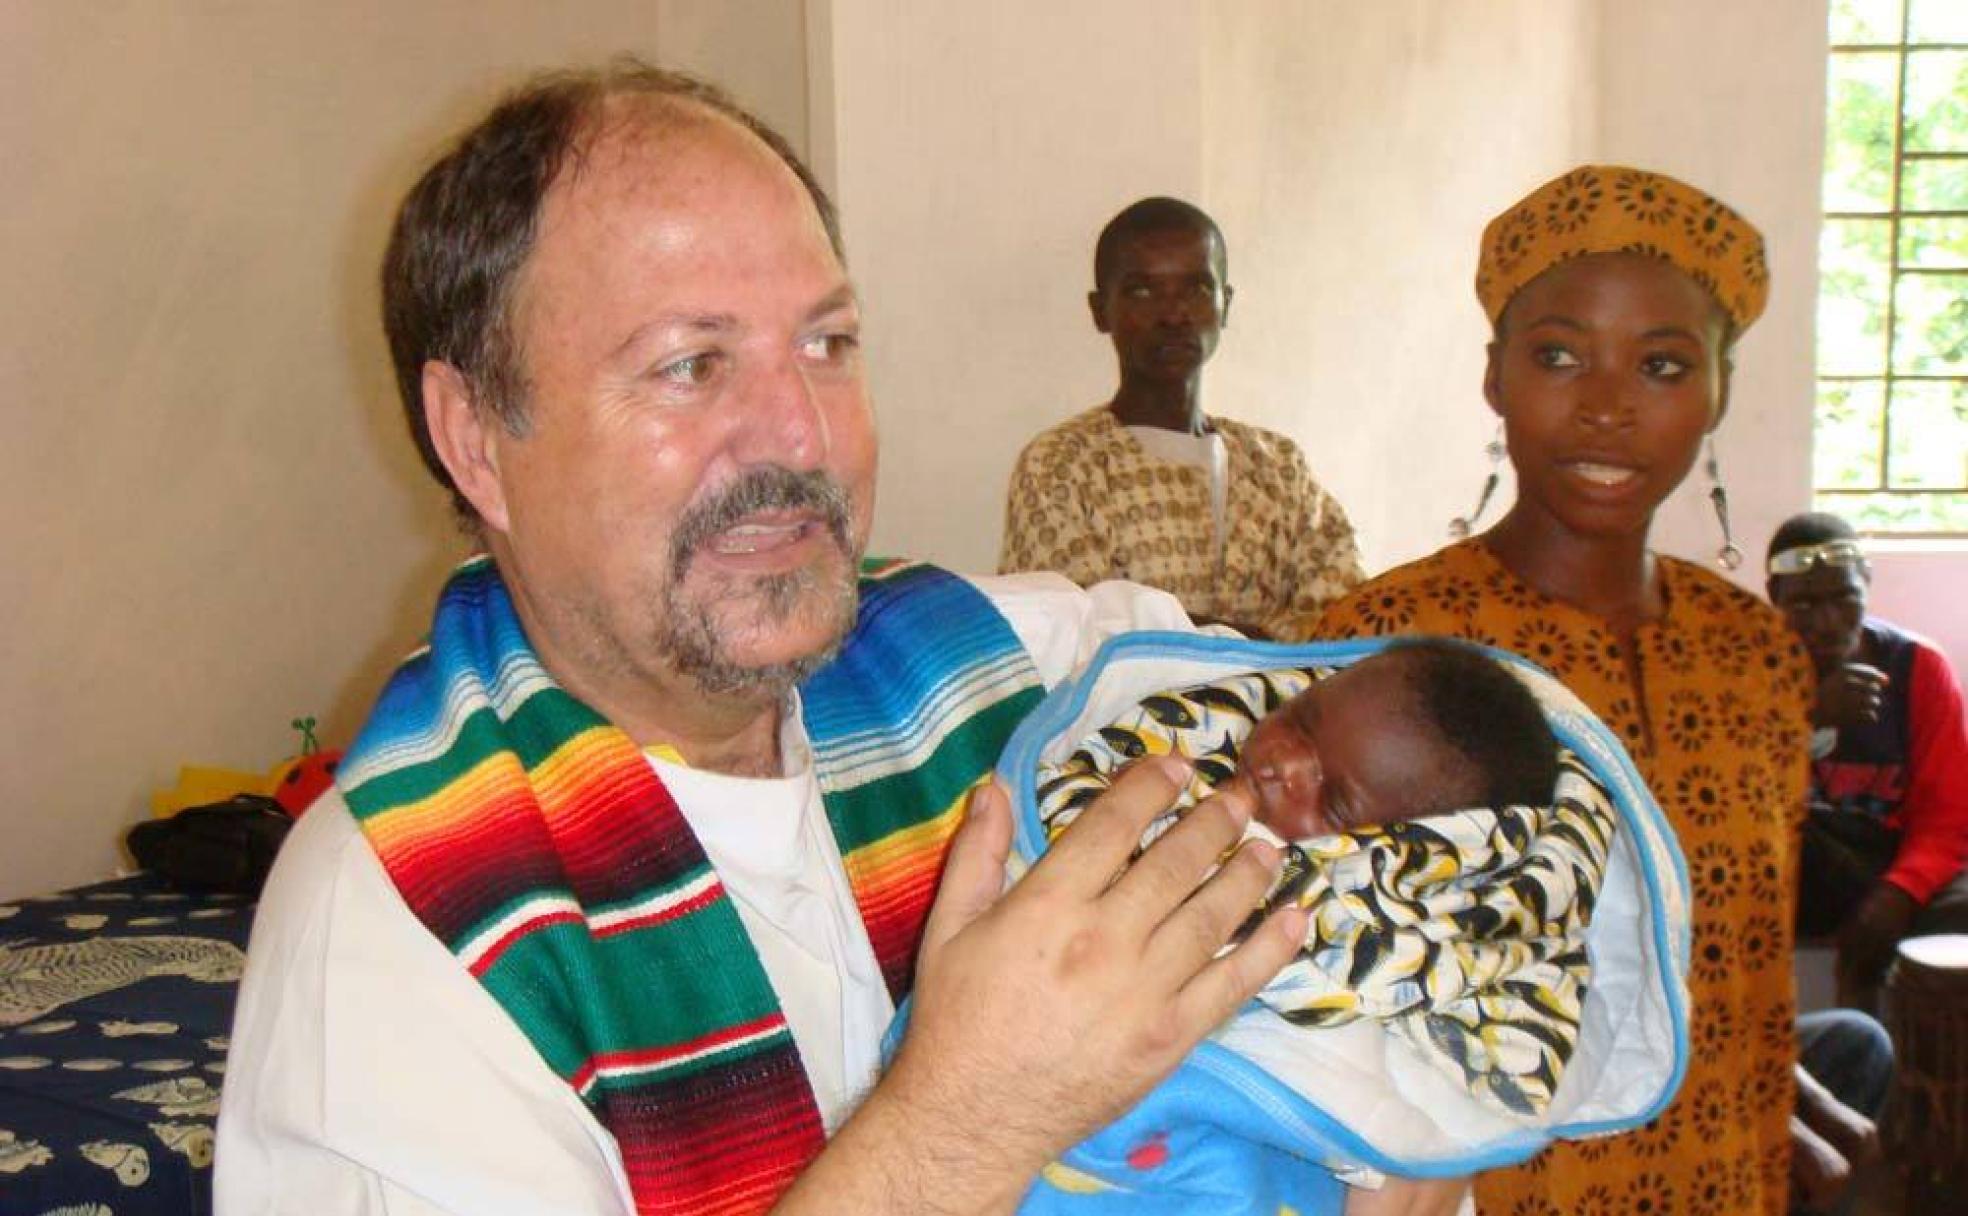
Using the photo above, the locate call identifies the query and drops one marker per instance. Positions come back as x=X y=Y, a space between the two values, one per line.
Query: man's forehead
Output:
x=1168 y=238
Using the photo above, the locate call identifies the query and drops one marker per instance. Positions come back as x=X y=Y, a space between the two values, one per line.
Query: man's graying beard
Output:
x=695 y=639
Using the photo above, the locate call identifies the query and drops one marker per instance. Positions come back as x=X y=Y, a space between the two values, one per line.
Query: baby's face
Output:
x=1346 y=754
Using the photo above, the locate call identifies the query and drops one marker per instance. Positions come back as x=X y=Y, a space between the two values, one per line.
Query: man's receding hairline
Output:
x=626 y=109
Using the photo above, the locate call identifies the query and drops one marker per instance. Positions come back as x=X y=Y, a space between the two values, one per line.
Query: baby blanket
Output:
x=1324 y=1075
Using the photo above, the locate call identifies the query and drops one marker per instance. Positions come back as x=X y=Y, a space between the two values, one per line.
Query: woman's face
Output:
x=1607 y=371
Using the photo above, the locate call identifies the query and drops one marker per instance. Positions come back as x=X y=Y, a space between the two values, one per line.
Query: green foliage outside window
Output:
x=1891 y=435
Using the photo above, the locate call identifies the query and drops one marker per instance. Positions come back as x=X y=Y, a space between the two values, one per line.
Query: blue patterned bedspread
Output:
x=115 y=1003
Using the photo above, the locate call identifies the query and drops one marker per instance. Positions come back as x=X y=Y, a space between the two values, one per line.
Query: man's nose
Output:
x=783 y=422
x=1181 y=310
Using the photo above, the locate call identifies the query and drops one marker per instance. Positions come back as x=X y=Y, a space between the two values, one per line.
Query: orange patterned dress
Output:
x=1713 y=702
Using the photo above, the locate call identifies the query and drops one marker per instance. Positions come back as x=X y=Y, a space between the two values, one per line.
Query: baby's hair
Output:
x=1485 y=713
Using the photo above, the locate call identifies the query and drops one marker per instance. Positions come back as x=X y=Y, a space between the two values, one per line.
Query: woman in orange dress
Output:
x=1616 y=295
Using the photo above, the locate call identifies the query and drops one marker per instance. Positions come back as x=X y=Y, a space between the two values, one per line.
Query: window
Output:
x=1891 y=434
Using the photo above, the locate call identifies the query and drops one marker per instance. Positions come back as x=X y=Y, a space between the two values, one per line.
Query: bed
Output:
x=115 y=1003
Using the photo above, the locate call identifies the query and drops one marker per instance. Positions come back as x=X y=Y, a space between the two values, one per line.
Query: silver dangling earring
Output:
x=1462 y=525
x=1729 y=556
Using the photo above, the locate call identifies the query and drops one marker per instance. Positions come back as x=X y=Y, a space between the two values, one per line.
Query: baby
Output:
x=1412 y=792
x=1423 y=727
x=1471 y=846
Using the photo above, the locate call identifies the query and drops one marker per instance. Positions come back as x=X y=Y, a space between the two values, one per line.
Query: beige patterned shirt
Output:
x=1087 y=501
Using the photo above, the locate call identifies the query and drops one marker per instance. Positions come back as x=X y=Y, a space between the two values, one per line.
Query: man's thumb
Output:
x=973 y=873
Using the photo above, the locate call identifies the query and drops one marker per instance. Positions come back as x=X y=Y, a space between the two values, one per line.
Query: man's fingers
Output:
x=1193 y=933
x=973 y=875
x=1174 y=866
x=1222 y=987
x=1095 y=846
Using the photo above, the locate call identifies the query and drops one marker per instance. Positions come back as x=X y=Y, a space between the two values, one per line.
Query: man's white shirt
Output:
x=370 y=1073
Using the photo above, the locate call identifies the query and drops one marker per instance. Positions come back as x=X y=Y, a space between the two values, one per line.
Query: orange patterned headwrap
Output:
x=1614 y=209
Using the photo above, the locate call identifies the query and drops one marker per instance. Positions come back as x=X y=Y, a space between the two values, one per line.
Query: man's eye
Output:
x=691 y=370
x=1554 y=357
x=831 y=348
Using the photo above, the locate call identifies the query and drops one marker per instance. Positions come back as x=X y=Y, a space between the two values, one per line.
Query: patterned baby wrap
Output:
x=1464 y=932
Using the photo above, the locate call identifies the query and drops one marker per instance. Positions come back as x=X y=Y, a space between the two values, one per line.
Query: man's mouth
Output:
x=768 y=511
x=762 y=535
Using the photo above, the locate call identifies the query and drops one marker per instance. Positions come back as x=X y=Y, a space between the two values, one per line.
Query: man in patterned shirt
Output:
x=1149 y=488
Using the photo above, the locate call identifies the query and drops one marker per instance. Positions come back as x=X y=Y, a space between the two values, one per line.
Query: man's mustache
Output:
x=770 y=488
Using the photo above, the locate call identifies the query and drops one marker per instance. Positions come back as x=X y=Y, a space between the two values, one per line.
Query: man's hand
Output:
x=1869 y=935
x=1851 y=695
x=1819 y=1173
x=1043 y=1014
x=1853 y=1135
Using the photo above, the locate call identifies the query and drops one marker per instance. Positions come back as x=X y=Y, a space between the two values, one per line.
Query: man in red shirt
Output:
x=1887 y=833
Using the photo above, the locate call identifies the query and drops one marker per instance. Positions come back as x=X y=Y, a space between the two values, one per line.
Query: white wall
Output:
x=1354 y=154
x=976 y=150
x=1737 y=109
x=214 y=522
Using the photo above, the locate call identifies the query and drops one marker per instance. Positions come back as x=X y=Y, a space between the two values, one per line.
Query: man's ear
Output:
x=1229 y=294
x=1097 y=305
x=466 y=438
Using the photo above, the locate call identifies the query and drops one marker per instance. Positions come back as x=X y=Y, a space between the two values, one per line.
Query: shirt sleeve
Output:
x=1935 y=810
x=1048 y=526
x=1325 y=557
x=1061 y=625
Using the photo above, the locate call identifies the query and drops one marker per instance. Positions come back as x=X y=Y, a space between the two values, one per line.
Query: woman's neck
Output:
x=1611 y=577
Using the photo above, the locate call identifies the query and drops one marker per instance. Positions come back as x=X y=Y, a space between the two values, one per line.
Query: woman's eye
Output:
x=1554 y=357
x=1664 y=367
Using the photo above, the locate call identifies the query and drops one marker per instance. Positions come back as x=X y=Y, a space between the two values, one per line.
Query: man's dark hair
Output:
x=1487 y=715
x=467 y=226
x=1809 y=528
x=1149 y=215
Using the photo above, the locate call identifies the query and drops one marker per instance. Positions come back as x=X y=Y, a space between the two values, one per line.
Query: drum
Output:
x=1927 y=1010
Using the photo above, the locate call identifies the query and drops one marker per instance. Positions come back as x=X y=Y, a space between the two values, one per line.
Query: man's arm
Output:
x=1325 y=556
x=1934 y=843
x=1044 y=1013
x=1933 y=826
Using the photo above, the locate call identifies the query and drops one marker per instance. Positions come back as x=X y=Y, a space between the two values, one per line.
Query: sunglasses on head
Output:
x=1805 y=558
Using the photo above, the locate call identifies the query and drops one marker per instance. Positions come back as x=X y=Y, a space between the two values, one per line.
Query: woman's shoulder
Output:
x=1735 y=630
x=1432 y=594
x=1702 y=596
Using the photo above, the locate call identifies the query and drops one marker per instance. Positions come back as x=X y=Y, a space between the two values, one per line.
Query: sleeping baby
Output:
x=1412 y=793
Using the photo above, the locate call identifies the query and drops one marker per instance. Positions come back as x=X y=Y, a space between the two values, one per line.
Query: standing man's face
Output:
x=687 y=505
x=1164 y=303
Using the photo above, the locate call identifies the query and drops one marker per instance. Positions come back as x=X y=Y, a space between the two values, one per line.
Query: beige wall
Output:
x=1355 y=152
x=976 y=150
x=1737 y=110
x=213 y=523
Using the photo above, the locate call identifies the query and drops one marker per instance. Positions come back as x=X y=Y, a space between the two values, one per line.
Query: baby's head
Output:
x=1424 y=726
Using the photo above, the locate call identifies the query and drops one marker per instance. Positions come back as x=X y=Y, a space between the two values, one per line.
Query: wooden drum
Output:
x=1927 y=1010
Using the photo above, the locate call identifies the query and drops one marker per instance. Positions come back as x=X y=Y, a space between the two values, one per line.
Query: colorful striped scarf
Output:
x=535 y=840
